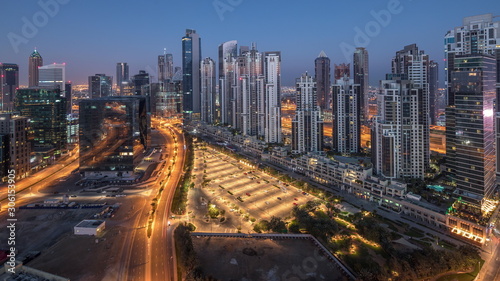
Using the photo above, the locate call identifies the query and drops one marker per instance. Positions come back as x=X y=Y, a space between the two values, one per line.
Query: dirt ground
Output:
x=254 y=259
x=81 y=258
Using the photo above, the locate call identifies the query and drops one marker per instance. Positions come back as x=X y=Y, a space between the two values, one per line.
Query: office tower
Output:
x=272 y=99
x=360 y=72
x=35 y=61
x=414 y=64
x=165 y=67
x=121 y=76
x=140 y=80
x=9 y=83
x=46 y=109
x=113 y=132
x=470 y=138
x=398 y=145
x=191 y=59
x=228 y=52
x=322 y=76
x=477 y=35
x=100 y=85
x=307 y=126
x=68 y=96
x=208 y=91
x=346 y=121
x=250 y=96
x=433 y=91
x=14 y=134
x=52 y=76
x=341 y=70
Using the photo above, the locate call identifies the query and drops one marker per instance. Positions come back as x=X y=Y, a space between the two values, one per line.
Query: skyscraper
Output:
x=414 y=65
x=433 y=91
x=113 y=132
x=360 y=72
x=9 y=83
x=477 y=35
x=35 y=60
x=307 y=126
x=121 y=75
x=14 y=132
x=228 y=52
x=46 y=109
x=165 y=67
x=470 y=137
x=250 y=96
x=341 y=70
x=346 y=121
x=191 y=59
x=208 y=90
x=53 y=76
x=272 y=99
x=100 y=85
x=397 y=137
x=322 y=76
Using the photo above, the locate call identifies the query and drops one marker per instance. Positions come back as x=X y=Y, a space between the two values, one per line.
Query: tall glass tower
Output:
x=191 y=59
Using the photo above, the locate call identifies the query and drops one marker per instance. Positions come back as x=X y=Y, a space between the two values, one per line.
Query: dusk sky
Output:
x=92 y=36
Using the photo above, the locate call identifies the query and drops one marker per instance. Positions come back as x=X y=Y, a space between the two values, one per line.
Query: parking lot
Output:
x=242 y=191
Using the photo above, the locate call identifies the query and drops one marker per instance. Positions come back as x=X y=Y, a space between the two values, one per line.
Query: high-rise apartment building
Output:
x=208 y=90
x=272 y=99
x=165 y=67
x=360 y=72
x=122 y=76
x=46 y=109
x=191 y=59
x=113 y=132
x=34 y=61
x=433 y=91
x=100 y=85
x=322 y=77
x=228 y=52
x=413 y=64
x=346 y=112
x=467 y=62
x=470 y=130
x=250 y=94
x=477 y=35
x=9 y=83
x=15 y=147
x=398 y=145
x=307 y=125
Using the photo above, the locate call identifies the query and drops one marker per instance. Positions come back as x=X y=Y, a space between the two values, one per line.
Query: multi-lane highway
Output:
x=27 y=190
x=153 y=258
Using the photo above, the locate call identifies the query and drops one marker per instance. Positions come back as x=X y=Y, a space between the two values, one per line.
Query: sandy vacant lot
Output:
x=255 y=259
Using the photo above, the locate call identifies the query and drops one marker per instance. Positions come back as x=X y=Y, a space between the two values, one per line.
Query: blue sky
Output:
x=92 y=36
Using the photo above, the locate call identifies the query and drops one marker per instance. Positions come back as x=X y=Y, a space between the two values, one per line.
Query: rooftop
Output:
x=90 y=223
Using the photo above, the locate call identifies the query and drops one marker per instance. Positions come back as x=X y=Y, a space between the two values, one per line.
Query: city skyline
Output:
x=220 y=22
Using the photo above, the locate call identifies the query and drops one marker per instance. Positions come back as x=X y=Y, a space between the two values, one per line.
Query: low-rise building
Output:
x=89 y=227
